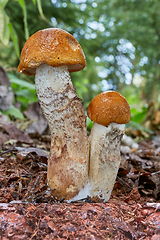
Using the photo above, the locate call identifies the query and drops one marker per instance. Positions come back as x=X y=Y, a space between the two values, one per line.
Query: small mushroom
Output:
x=51 y=54
x=109 y=111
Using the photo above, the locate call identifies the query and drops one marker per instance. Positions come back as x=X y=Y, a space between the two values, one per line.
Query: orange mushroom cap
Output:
x=54 y=47
x=108 y=107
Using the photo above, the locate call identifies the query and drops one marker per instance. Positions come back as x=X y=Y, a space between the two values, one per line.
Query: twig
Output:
x=121 y=180
x=120 y=212
x=11 y=69
x=33 y=234
x=7 y=151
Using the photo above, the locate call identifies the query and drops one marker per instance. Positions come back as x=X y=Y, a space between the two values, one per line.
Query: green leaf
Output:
x=23 y=6
x=3 y=3
x=89 y=124
x=138 y=115
x=25 y=96
x=15 y=112
x=22 y=3
x=138 y=126
x=22 y=83
x=11 y=142
x=14 y=39
x=4 y=30
x=39 y=5
x=25 y=93
x=34 y=2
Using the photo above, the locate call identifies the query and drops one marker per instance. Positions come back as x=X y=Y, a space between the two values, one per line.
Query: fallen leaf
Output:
x=24 y=153
x=10 y=131
x=4 y=80
x=39 y=124
x=6 y=98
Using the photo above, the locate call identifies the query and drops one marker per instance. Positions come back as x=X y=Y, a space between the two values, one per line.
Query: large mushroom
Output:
x=51 y=54
x=109 y=111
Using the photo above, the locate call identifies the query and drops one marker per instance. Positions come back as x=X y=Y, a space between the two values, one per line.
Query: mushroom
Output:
x=51 y=54
x=109 y=111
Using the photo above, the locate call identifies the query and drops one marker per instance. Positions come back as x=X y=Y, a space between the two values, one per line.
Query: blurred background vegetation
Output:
x=120 y=39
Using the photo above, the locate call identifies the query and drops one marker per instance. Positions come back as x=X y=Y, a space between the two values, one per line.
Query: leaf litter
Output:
x=29 y=211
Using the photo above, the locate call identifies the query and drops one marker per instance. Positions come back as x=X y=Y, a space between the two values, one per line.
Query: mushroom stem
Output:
x=69 y=154
x=104 y=158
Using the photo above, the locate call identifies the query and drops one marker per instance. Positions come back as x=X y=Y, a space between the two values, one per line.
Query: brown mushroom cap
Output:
x=54 y=47
x=108 y=107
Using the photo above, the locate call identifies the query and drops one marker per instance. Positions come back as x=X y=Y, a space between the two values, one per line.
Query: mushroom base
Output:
x=104 y=158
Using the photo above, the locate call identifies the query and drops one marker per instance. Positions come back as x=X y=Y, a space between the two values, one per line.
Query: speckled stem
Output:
x=104 y=158
x=69 y=154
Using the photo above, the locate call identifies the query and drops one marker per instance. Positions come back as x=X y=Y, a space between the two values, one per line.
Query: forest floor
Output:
x=28 y=210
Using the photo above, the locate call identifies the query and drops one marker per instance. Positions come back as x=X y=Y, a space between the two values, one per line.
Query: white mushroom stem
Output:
x=69 y=154
x=104 y=158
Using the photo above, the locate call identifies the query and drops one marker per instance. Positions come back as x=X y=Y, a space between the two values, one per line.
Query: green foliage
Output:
x=138 y=115
x=135 y=125
x=4 y=20
x=14 y=39
x=120 y=38
x=23 y=6
x=89 y=124
x=24 y=91
x=8 y=20
x=39 y=5
x=14 y=112
x=3 y=4
x=25 y=94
